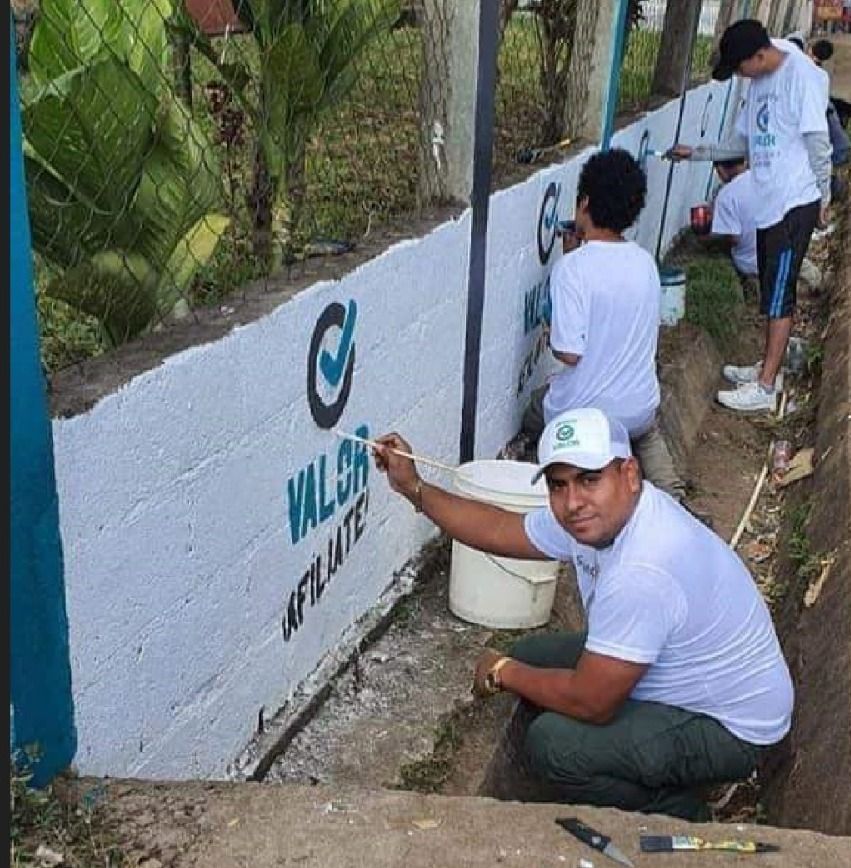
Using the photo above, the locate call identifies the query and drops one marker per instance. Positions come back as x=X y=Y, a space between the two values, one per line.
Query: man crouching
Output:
x=679 y=681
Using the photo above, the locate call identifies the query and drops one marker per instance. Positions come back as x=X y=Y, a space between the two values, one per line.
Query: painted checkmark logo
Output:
x=547 y=219
x=333 y=366
x=337 y=367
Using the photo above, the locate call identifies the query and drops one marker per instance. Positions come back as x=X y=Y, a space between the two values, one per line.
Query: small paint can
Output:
x=701 y=219
x=796 y=355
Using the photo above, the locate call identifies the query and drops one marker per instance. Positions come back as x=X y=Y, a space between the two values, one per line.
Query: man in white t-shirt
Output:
x=679 y=681
x=604 y=324
x=734 y=213
x=782 y=130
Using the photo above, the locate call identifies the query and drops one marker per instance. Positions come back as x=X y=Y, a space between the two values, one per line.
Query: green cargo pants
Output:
x=651 y=757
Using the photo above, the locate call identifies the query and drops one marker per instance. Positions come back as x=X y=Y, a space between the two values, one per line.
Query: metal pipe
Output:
x=683 y=94
x=482 y=164
x=610 y=101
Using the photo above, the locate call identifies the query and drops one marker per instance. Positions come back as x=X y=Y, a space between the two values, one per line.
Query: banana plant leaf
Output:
x=345 y=34
x=117 y=287
x=148 y=48
x=180 y=189
x=93 y=128
x=69 y=35
x=293 y=85
x=64 y=223
x=73 y=33
x=192 y=252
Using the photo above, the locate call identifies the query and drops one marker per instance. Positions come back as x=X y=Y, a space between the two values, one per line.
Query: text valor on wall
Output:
x=327 y=500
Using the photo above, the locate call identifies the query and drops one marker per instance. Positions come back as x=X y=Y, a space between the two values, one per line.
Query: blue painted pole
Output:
x=42 y=707
x=610 y=101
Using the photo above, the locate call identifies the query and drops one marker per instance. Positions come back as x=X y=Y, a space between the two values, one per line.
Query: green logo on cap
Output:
x=564 y=432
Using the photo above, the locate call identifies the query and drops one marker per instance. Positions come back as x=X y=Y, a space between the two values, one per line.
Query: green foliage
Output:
x=714 y=297
x=307 y=63
x=428 y=775
x=815 y=357
x=361 y=160
x=640 y=62
x=807 y=564
x=123 y=188
x=42 y=823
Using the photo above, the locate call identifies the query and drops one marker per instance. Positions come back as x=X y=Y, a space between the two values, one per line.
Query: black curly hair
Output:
x=616 y=188
x=822 y=49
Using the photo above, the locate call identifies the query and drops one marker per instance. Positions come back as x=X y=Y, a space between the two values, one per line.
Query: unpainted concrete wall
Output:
x=195 y=499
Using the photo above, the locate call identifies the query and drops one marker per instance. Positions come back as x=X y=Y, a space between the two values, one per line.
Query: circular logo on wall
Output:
x=548 y=222
x=331 y=363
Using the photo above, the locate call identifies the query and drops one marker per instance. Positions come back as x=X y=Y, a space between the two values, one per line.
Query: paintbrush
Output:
x=431 y=462
x=677 y=843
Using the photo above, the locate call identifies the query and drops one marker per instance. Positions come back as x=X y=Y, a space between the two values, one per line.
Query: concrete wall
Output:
x=219 y=539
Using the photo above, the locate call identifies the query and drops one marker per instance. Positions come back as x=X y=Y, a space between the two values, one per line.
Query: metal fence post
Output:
x=482 y=166
x=42 y=716
x=610 y=97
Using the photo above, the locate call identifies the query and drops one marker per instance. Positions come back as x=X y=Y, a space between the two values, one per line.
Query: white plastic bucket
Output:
x=504 y=593
x=673 y=306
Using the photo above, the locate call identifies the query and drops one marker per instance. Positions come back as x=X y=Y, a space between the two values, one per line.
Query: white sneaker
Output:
x=818 y=234
x=738 y=375
x=811 y=274
x=749 y=398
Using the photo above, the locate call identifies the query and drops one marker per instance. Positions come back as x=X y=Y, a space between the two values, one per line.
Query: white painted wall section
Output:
x=195 y=500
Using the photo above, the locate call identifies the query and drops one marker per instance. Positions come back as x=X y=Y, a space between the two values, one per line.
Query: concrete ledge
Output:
x=688 y=373
x=207 y=825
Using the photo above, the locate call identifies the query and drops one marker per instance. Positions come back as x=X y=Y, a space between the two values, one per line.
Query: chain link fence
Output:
x=176 y=150
x=647 y=21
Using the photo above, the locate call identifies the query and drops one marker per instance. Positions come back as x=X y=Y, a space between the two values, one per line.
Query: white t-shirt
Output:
x=779 y=109
x=734 y=214
x=606 y=297
x=670 y=593
x=823 y=81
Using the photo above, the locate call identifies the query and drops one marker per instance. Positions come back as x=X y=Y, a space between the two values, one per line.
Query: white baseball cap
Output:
x=584 y=438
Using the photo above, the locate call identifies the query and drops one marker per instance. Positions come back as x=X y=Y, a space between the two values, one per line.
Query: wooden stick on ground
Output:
x=737 y=535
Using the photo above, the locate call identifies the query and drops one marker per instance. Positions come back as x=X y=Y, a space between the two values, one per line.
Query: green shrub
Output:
x=714 y=298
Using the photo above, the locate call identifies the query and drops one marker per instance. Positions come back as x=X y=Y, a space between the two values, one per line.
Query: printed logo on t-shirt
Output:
x=590 y=570
x=764 y=139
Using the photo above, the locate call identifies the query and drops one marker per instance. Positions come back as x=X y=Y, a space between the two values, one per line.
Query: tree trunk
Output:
x=777 y=18
x=579 y=69
x=296 y=191
x=260 y=201
x=675 y=47
x=761 y=9
x=726 y=15
x=555 y=22
x=433 y=99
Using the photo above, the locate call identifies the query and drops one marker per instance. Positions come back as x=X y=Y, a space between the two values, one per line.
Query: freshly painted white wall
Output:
x=178 y=492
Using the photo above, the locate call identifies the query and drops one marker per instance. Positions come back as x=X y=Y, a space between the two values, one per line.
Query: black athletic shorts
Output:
x=780 y=250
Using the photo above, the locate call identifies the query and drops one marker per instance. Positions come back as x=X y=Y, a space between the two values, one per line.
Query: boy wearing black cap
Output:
x=782 y=130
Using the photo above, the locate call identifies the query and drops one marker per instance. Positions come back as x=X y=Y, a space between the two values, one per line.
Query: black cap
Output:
x=739 y=42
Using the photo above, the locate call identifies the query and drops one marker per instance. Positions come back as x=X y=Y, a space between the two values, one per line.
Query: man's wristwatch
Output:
x=493 y=683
